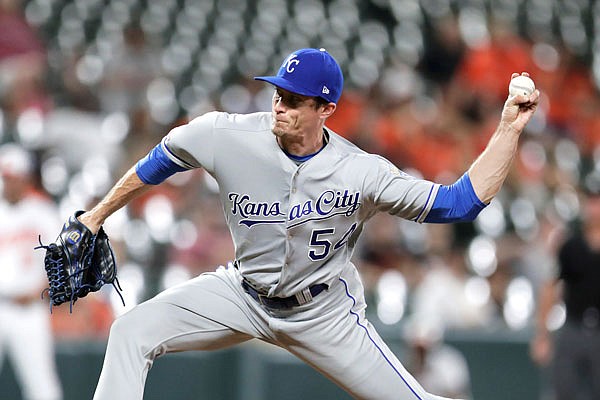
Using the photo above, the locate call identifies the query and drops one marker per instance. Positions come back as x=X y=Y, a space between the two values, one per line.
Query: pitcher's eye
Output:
x=288 y=99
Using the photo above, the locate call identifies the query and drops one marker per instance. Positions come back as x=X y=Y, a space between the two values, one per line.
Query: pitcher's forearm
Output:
x=125 y=190
x=490 y=169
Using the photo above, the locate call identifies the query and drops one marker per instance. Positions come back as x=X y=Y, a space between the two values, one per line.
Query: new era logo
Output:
x=325 y=90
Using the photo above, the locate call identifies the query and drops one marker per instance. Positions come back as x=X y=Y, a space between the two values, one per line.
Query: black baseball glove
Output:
x=78 y=263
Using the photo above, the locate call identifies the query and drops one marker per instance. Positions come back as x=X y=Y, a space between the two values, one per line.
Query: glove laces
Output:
x=56 y=274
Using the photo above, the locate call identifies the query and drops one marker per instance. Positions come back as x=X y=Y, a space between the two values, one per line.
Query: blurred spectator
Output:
x=499 y=282
x=25 y=331
x=211 y=242
x=443 y=299
x=439 y=367
x=489 y=61
x=559 y=71
x=353 y=118
x=444 y=50
x=575 y=351
x=75 y=91
x=133 y=65
x=409 y=135
x=22 y=64
x=379 y=250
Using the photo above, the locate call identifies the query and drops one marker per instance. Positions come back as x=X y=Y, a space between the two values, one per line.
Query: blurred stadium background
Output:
x=90 y=86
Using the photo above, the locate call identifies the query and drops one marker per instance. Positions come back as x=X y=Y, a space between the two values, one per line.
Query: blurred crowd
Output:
x=89 y=86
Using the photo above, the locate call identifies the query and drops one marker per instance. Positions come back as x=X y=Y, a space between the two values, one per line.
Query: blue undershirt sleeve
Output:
x=156 y=166
x=455 y=203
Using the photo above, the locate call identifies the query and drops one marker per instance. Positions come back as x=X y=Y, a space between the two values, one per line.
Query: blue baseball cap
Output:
x=309 y=72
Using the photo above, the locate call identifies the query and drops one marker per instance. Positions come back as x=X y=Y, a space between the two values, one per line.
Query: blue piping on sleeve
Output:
x=156 y=166
x=455 y=203
x=418 y=219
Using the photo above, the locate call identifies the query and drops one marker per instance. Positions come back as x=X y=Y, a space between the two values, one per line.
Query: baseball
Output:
x=521 y=85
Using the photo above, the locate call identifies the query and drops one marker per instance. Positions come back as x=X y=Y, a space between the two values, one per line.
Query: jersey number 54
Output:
x=321 y=245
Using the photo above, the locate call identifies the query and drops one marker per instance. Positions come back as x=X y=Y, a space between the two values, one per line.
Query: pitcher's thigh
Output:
x=156 y=328
x=201 y=314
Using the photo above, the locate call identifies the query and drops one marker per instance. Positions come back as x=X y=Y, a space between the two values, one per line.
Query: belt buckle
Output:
x=304 y=296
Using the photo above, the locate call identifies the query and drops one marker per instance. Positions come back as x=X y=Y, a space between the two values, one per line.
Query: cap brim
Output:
x=287 y=85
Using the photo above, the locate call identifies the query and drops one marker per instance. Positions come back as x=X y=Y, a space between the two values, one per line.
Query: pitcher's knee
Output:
x=120 y=327
x=144 y=327
x=132 y=328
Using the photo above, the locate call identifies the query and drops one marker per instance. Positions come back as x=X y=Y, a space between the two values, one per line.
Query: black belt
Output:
x=281 y=303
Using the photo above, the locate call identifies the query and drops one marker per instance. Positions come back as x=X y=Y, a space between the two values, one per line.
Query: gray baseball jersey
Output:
x=293 y=225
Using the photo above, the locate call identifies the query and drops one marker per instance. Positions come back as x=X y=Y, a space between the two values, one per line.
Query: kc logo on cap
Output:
x=290 y=62
x=309 y=72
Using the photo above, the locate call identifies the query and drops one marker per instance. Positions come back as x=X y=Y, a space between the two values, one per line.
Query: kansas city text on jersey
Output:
x=327 y=204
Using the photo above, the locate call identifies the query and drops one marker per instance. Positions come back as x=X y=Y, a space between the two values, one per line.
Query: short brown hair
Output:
x=319 y=101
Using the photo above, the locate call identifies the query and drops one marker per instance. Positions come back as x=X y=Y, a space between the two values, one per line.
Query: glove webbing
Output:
x=115 y=283
x=57 y=278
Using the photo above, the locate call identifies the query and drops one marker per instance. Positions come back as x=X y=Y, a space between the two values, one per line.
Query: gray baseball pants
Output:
x=213 y=311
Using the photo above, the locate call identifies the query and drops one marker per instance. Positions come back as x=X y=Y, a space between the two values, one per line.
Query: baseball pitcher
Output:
x=295 y=197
